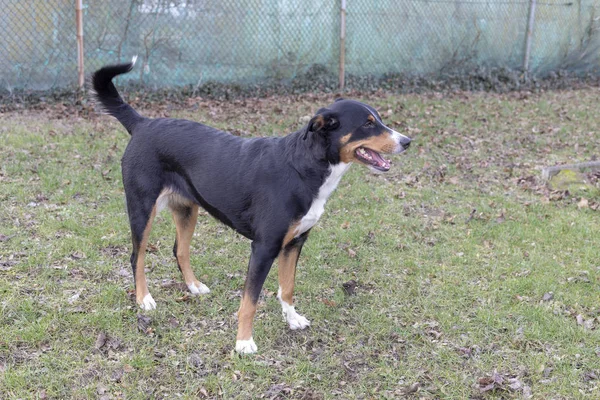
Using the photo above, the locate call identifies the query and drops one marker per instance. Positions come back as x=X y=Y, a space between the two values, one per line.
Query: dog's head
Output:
x=352 y=131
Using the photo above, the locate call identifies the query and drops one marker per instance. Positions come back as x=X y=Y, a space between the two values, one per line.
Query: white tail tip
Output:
x=133 y=60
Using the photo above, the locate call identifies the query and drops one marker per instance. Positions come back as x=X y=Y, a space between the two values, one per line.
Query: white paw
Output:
x=245 y=346
x=295 y=320
x=201 y=288
x=148 y=303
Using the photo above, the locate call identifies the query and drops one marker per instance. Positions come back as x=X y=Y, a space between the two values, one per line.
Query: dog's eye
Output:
x=369 y=124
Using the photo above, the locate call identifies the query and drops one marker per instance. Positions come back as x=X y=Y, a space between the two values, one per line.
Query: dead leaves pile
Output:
x=497 y=382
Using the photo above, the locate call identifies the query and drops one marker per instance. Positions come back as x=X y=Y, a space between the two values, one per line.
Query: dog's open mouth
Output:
x=372 y=158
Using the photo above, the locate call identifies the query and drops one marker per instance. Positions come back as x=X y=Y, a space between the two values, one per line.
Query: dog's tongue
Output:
x=378 y=161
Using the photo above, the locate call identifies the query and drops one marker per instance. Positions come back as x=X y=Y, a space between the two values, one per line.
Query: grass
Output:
x=452 y=253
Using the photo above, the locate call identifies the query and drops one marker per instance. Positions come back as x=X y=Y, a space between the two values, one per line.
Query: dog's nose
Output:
x=405 y=142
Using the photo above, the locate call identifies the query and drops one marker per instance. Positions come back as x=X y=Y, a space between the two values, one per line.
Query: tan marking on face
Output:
x=382 y=143
x=246 y=317
x=344 y=139
x=318 y=123
x=141 y=287
x=185 y=224
x=371 y=118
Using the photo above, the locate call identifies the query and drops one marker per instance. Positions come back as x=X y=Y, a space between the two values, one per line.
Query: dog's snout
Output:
x=405 y=142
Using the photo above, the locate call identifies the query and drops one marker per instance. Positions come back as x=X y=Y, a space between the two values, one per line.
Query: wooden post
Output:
x=79 y=22
x=528 y=35
x=342 y=72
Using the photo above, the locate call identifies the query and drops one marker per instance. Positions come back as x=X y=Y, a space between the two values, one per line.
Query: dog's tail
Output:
x=106 y=95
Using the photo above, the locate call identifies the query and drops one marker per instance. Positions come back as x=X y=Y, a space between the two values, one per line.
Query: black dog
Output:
x=271 y=190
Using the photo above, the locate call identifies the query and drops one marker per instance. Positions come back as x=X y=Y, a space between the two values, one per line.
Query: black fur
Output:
x=260 y=187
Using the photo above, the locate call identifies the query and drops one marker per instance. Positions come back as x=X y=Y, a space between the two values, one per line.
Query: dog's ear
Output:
x=339 y=99
x=324 y=120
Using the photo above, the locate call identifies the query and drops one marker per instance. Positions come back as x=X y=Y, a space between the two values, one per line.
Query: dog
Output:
x=270 y=190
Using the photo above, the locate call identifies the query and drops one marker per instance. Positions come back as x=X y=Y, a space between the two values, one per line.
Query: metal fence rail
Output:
x=191 y=42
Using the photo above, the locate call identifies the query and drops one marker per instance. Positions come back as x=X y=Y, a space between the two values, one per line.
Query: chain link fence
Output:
x=193 y=42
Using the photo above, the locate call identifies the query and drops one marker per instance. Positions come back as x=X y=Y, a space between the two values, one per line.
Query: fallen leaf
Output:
x=590 y=376
x=100 y=389
x=500 y=218
x=583 y=203
x=328 y=302
x=100 y=340
x=498 y=379
x=171 y=284
x=412 y=388
x=151 y=248
x=471 y=215
x=74 y=298
x=548 y=296
x=515 y=384
x=143 y=323
x=195 y=361
x=279 y=390
x=349 y=287
x=588 y=324
x=117 y=375
x=78 y=255
x=185 y=297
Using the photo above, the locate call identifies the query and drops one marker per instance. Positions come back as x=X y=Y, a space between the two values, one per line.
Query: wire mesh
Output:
x=192 y=42
x=37 y=44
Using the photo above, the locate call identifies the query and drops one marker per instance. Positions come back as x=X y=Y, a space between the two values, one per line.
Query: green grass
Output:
x=452 y=251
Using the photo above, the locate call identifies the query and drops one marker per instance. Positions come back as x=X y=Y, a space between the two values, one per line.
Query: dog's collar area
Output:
x=372 y=158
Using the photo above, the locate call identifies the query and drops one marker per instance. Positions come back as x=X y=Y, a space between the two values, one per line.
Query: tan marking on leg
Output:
x=185 y=225
x=245 y=318
x=287 y=273
x=287 y=265
x=141 y=287
x=291 y=234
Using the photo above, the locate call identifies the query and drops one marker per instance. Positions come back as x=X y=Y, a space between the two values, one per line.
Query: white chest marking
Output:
x=318 y=205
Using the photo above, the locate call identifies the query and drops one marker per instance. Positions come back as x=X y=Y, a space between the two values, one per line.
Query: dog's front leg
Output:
x=261 y=260
x=288 y=259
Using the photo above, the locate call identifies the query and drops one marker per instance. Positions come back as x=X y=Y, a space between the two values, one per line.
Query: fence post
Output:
x=528 y=35
x=79 y=23
x=342 y=71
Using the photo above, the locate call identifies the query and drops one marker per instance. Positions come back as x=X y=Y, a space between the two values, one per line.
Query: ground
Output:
x=456 y=275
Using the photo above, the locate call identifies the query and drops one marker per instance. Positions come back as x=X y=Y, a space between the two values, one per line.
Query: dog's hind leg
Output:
x=185 y=217
x=141 y=223
x=287 y=261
